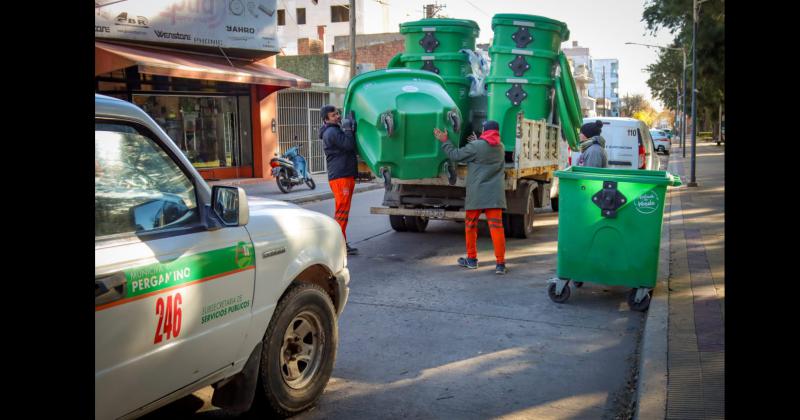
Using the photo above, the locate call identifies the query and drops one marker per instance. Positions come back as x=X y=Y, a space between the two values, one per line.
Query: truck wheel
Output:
x=554 y=204
x=398 y=223
x=299 y=352
x=507 y=225
x=522 y=224
x=416 y=223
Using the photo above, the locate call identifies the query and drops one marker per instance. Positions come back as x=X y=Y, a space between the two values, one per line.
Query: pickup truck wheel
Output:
x=416 y=223
x=398 y=223
x=299 y=351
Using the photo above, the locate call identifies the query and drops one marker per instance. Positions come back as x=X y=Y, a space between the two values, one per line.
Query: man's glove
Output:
x=348 y=125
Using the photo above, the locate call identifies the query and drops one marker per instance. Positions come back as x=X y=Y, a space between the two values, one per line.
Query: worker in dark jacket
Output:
x=339 y=143
x=485 y=157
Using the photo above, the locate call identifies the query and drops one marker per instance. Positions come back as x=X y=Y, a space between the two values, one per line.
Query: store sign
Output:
x=240 y=24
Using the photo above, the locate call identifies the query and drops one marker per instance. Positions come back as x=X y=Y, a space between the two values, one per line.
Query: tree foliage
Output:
x=676 y=17
x=631 y=104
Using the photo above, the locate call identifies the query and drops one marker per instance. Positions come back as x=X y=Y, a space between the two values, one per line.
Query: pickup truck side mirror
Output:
x=229 y=204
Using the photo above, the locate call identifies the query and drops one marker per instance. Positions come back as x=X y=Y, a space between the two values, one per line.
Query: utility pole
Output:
x=604 y=90
x=430 y=10
x=352 y=38
x=693 y=178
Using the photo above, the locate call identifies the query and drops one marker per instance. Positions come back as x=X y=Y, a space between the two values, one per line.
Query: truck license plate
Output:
x=433 y=213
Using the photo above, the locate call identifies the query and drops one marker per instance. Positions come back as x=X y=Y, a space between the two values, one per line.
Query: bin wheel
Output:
x=398 y=223
x=578 y=284
x=641 y=306
x=551 y=291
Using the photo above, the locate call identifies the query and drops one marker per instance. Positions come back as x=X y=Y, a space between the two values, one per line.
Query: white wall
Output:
x=376 y=21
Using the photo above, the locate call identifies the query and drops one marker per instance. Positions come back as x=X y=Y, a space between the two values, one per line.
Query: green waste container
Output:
x=439 y=35
x=609 y=230
x=453 y=67
x=396 y=111
x=516 y=62
x=529 y=32
x=509 y=96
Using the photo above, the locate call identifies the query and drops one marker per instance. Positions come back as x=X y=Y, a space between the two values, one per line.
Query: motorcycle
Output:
x=290 y=170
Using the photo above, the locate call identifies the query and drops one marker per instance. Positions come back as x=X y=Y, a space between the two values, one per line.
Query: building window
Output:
x=205 y=128
x=340 y=14
x=301 y=15
x=281 y=17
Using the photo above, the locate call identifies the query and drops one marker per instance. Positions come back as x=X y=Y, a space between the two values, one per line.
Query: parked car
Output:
x=668 y=131
x=628 y=145
x=661 y=141
x=197 y=286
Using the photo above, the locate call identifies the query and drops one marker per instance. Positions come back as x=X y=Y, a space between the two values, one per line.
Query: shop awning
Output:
x=110 y=57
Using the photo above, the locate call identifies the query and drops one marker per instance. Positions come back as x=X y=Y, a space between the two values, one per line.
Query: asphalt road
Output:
x=423 y=338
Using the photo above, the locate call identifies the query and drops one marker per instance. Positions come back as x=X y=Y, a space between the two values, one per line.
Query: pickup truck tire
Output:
x=416 y=223
x=299 y=352
x=398 y=223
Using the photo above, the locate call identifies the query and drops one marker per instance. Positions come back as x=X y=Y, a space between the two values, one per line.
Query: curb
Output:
x=329 y=195
x=651 y=387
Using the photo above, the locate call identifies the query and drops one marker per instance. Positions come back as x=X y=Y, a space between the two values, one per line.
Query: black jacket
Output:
x=340 y=151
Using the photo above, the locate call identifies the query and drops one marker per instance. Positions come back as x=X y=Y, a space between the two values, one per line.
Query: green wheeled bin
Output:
x=507 y=97
x=439 y=35
x=609 y=230
x=524 y=57
x=396 y=111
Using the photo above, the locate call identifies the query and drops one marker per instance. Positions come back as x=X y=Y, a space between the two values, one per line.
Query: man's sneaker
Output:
x=500 y=269
x=468 y=262
x=351 y=250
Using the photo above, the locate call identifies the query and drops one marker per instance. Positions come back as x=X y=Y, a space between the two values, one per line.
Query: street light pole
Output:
x=693 y=178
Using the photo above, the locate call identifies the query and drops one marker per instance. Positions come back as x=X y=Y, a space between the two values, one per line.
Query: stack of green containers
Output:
x=434 y=45
x=524 y=55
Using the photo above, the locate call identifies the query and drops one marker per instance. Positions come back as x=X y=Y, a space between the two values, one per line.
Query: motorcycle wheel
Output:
x=310 y=183
x=283 y=181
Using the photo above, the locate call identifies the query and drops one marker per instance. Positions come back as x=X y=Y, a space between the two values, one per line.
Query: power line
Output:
x=477 y=8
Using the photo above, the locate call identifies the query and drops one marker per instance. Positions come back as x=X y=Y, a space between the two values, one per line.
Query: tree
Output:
x=630 y=104
x=676 y=16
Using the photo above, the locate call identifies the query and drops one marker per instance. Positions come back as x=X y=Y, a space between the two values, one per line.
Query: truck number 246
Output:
x=169 y=315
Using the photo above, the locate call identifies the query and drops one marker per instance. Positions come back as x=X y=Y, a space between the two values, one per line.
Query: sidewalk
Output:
x=681 y=373
x=267 y=188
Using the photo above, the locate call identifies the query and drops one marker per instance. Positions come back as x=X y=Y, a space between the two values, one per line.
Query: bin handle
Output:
x=454 y=119
x=388 y=122
x=674 y=180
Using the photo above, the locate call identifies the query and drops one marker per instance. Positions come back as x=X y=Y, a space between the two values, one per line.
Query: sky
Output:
x=603 y=26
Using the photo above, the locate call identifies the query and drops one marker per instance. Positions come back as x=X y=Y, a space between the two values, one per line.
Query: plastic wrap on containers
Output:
x=480 y=69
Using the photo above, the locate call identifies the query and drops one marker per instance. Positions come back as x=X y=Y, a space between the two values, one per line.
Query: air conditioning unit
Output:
x=364 y=67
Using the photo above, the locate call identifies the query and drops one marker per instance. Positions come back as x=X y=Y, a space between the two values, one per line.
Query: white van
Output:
x=628 y=145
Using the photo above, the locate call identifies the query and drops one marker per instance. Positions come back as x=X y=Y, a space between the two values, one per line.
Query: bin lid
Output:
x=434 y=22
x=640 y=176
x=540 y=21
x=456 y=56
x=399 y=74
x=549 y=81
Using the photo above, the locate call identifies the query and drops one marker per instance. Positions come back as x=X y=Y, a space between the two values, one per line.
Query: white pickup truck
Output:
x=197 y=286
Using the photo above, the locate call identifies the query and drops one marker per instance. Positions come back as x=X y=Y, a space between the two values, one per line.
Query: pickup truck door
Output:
x=172 y=299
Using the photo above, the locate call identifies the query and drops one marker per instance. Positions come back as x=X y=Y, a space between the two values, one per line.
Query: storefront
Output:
x=217 y=104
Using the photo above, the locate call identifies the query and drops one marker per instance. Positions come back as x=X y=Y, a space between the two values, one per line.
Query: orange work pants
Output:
x=495 y=219
x=343 y=195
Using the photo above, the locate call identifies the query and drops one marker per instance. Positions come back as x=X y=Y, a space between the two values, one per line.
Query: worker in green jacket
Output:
x=485 y=157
